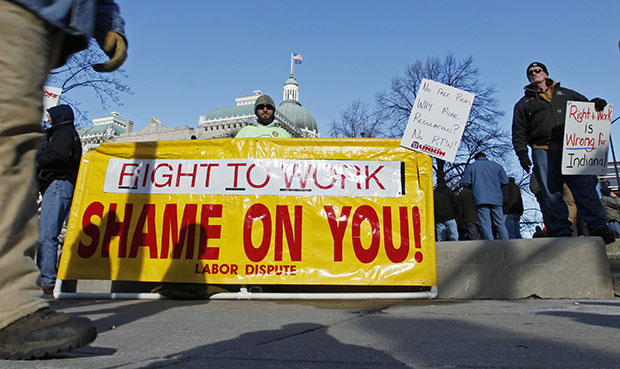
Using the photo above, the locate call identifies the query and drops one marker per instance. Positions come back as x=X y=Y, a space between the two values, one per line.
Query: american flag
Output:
x=297 y=58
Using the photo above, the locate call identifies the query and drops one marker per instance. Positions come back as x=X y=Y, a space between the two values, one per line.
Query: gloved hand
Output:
x=524 y=160
x=115 y=47
x=599 y=104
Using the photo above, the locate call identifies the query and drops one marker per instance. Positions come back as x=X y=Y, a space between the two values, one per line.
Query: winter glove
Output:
x=524 y=160
x=599 y=104
x=115 y=47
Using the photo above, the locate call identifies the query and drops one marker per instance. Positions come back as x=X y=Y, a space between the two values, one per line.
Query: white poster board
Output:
x=51 y=96
x=586 y=138
x=437 y=120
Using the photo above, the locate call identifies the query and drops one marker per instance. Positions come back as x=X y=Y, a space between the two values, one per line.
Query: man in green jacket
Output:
x=263 y=125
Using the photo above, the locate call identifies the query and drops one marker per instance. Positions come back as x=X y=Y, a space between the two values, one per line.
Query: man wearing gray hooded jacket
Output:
x=36 y=36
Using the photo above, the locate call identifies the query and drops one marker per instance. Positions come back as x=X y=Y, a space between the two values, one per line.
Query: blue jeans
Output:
x=548 y=171
x=614 y=226
x=512 y=226
x=447 y=231
x=492 y=222
x=473 y=230
x=55 y=208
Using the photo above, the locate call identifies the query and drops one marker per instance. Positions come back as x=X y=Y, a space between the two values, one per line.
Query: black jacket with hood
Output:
x=537 y=122
x=59 y=157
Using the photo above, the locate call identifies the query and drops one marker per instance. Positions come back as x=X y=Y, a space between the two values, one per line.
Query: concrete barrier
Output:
x=575 y=268
x=572 y=268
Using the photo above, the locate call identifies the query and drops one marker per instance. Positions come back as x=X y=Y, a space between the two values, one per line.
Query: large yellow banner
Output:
x=253 y=211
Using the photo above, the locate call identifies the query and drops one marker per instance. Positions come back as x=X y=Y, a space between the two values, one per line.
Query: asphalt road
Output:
x=529 y=333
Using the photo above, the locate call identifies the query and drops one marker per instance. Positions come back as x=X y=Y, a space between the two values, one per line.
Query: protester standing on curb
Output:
x=37 y=35
x=538 y=121
x=611 y=205
x=513 y=208
x=446 y=210
x=58 y=162
x=486 y=178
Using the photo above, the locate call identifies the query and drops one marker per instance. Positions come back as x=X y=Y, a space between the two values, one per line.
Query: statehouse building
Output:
x=222 y=122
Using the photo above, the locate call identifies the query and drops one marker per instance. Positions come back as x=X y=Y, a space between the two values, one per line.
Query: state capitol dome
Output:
x=290 y=115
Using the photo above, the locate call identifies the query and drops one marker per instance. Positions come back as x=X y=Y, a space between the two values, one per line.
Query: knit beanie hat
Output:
x=536 y=64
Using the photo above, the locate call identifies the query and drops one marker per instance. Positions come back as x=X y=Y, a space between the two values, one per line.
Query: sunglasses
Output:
x=534 y=71
x=264 y=106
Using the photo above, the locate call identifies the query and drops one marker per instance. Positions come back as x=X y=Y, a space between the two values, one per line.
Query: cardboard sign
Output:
x=243 y=211
x=437 y=120
x=586 y=138
x=51 y=96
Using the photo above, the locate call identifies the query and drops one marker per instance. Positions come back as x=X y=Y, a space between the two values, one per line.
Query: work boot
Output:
x=43 y=333
x=605 y=233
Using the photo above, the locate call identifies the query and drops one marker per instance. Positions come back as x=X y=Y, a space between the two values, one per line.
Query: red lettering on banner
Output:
x=145 y=231
x=293 y=238
x=191 y=174
x=374 y=176
x=148 y=239
x=254 y=185
x=166 y=176
x=328 y=186
x=288 y=181
x=416 y=233
x=236 y=174
x=357 y=177
x=115 y=229
x=146 y=177
x=366 y=213
x=396 y=255
x=208 y=175
x=254 y=213
x=266 y=269
x=91 y=230
x=208 y=231
x=338 y=226
x=283 y=227
x=133 y=174
x=170 y=229
x=217 y=269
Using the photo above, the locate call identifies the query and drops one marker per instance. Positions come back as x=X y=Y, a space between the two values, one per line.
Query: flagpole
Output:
x=291 y=65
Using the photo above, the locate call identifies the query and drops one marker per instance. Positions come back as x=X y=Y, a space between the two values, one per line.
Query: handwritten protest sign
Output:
x=437 y=120
x=586 y=138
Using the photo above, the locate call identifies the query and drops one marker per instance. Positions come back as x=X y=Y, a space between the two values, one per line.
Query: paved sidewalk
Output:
x=344 y=334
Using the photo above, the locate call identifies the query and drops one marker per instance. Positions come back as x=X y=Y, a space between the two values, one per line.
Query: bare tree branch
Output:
x=78 y=76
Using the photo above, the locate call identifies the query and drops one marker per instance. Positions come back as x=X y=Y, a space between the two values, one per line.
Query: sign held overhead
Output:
x=437 y=120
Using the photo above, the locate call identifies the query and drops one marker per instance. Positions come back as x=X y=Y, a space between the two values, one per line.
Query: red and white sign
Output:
x=51 y=96
x=272 y=177
x=586 y=138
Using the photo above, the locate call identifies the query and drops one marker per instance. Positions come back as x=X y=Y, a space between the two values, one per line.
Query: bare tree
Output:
x=356 y=120
x=482 y=130
x=78 y=75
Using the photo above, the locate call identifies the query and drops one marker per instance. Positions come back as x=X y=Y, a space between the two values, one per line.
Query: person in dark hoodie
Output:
x=446 y=210
x=263 y=125
x=538 y=121
x=57 y=164
x=512 y=207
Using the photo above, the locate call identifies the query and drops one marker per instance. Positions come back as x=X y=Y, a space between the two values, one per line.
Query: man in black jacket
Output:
x=446 y=210
x=538 y=121
x=57 y=162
